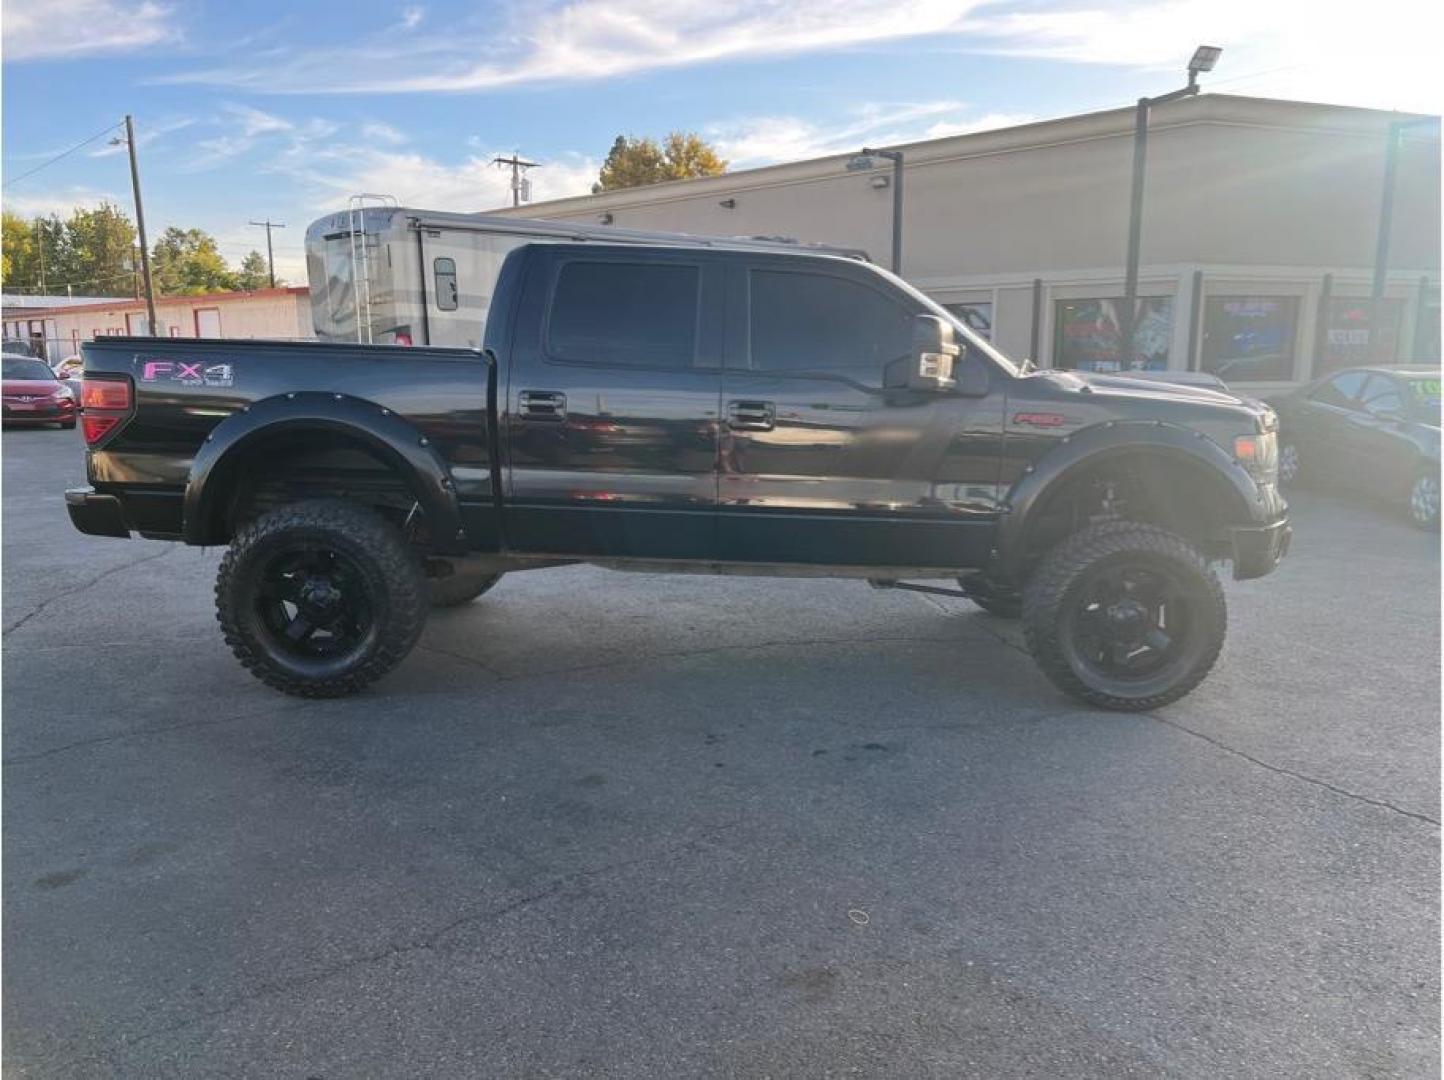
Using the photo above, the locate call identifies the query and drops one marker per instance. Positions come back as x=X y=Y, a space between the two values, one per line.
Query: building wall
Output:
x=283 y=313
x=1264 y=198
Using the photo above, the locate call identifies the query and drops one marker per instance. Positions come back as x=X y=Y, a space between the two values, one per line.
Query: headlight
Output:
x=1259 y=454
x=64 y=393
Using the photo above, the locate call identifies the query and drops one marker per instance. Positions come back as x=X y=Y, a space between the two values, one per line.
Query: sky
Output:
x=264 y=109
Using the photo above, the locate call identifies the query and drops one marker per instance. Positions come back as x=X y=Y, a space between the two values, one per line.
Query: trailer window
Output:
x=447 y=294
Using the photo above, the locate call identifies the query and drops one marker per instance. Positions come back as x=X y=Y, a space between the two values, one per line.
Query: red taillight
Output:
x=105 y=394
x=106 y=403
x=97 y=427
x=403 y=339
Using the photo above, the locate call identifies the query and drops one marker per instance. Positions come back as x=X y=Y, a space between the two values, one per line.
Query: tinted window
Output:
x=447 y=294
x=828 y=325
x=1381 y=397
x=1341 y=390
x=625 y=313
x=1249 y=338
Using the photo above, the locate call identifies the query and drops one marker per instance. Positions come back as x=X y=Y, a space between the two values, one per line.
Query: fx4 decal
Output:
x=187 y=373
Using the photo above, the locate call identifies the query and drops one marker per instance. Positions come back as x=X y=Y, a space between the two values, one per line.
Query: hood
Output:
x=1157 y=389
x=36 y=387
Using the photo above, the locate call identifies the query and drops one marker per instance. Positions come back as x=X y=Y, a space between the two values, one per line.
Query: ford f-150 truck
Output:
x=691 y=410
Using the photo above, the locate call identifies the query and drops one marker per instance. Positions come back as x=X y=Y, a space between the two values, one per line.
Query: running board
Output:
x=907 y=586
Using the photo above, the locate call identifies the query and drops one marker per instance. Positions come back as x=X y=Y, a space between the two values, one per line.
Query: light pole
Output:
x=129 y=141
x=896 y=157
x=1204 y=58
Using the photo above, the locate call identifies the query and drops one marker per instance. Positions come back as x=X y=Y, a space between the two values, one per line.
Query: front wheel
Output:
x=1290 y=464
x=1124 y=616
x=320 y=598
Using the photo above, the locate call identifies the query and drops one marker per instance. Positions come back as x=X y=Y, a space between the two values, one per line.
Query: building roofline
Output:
x=131 y=304
x=1214 y=108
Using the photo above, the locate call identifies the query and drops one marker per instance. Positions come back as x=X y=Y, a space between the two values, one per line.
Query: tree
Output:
x=255 y=272
x=187 y=262
x=95 y=254
x=18 y=265
x=635 y=161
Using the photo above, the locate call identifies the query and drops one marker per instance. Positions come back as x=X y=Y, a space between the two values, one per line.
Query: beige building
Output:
x=1259 y=232
x=265 y=313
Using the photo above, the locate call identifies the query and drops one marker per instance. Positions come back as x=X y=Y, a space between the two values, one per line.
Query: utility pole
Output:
x=519 y=183
x=1386 y=228
x=40 y=245
x=268 y=225
x=129 y=141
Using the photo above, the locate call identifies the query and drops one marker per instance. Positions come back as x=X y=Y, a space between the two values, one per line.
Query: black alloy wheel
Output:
x=320 y=598
x=1125 y=616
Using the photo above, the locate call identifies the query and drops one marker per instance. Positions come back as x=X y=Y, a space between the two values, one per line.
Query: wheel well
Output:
x=288 y=467
x=1152 y=486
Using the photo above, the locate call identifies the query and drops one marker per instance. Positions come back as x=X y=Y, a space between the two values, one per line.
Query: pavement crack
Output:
x=1281 y=770
x=38 y=608
x=159 y=729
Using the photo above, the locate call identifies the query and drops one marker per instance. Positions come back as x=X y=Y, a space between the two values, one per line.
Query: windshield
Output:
x=18 y=367
x=961 y=329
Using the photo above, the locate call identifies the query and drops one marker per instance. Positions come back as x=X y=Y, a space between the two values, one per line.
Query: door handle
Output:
x=751 y=415
x=542 y=405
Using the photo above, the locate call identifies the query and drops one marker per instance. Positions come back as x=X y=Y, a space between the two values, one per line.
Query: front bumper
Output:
x=1258 y=549
x=96 y=514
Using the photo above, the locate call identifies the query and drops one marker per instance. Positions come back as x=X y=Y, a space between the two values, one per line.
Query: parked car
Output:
x=16 y=347
x=1368 y=430
x=69 y=371
x=696 y=410
x=33 y=395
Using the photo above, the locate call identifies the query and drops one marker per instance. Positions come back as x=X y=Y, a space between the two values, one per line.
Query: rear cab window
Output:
x=634 y=314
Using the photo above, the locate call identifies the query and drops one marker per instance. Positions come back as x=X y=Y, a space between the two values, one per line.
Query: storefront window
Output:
x=1348 y=340
x=1089 y=336
x=1250 y=338
x=976 y=317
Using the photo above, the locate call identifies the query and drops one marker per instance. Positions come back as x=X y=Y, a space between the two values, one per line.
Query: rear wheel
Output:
x=1290 y=464
x=1424 y=500
x=458 y=589
x=320 y=598
x=1124 y=616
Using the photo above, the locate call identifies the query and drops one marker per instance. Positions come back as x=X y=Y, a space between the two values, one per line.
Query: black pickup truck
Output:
x=690 y=410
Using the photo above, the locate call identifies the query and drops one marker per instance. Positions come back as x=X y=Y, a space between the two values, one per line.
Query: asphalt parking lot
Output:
x=620 y=825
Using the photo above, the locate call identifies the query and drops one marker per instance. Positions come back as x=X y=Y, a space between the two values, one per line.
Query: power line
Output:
x=62 y=154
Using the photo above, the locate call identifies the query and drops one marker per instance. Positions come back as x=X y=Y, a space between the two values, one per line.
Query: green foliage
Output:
x=254 y=272
x=634 y=161
x=186 y=262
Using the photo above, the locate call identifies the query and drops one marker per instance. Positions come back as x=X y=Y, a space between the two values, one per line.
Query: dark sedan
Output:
x=33 y=395
x=1373 y=430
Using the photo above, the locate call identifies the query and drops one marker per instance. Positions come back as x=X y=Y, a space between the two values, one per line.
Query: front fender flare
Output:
x=1093 y=446
x=391 y=437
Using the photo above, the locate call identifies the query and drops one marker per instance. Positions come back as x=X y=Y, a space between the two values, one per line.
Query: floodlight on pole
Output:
x=896 y=157
x=1204 y=58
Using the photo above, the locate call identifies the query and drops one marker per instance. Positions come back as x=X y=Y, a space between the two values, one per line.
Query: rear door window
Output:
x=1382 y=398
x=633 y=314
x=447 y=293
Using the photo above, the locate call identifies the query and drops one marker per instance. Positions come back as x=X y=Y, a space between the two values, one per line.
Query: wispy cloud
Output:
x=376 y=131
x=146 y=135
x=411 y=17
x=57 y=29
x=764 y=140
x=62 y=201
x=587 y=39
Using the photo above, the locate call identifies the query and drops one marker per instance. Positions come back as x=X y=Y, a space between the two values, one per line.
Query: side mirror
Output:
x=934 y=351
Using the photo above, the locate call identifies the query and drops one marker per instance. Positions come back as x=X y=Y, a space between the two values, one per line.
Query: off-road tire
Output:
x=1291 y=465
x=458 y=589
x=1054 y=585
x=393 y=578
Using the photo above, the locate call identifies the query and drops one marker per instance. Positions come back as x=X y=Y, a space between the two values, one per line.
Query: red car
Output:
x=33 y=395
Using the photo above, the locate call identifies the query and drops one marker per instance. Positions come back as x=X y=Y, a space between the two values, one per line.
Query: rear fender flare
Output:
x=390 y=437
x=1092 y=446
